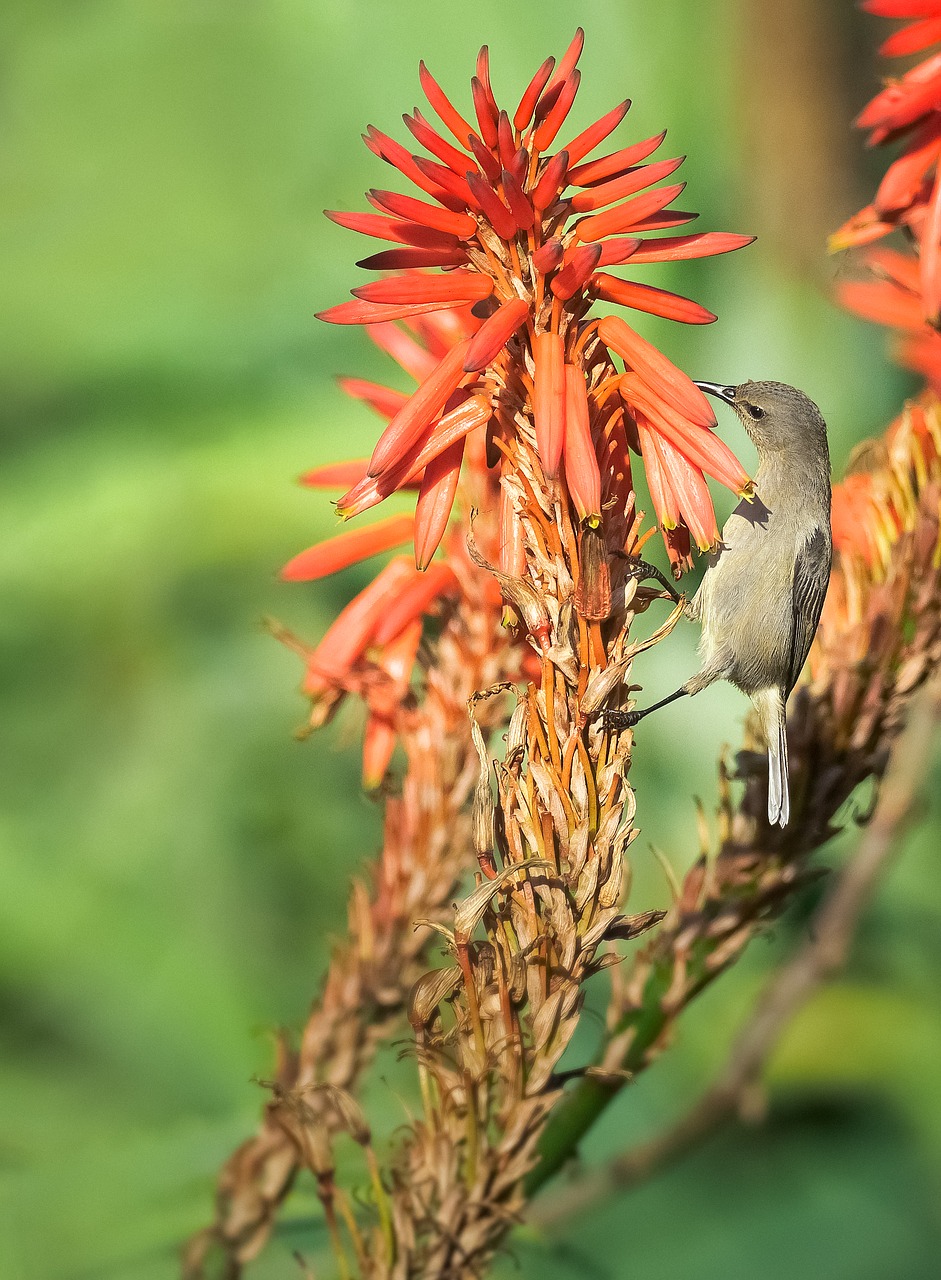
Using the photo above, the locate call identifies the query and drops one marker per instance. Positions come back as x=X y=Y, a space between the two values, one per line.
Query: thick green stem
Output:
x=579 y=1110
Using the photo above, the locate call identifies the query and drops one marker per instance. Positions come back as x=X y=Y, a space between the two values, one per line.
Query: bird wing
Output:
x=811 y=576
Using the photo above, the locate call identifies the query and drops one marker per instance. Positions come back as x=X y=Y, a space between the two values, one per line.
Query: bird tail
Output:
x=769 y=704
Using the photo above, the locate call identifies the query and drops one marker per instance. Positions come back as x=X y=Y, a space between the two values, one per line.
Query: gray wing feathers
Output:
x=811 y=576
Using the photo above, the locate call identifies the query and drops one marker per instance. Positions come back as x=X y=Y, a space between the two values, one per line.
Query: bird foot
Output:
x=642 y=571
x=618 y=721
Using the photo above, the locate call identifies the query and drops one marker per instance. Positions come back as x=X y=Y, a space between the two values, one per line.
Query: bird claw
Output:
x=618 y=721
x=642 y=571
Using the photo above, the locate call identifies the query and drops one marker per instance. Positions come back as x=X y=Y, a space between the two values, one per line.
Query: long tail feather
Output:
x=769 y=704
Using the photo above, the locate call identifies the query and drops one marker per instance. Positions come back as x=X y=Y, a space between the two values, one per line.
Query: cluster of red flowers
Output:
x=907 y=293
x=484 y=300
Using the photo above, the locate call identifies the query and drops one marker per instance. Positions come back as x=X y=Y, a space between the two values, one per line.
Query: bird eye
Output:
x=754 y=412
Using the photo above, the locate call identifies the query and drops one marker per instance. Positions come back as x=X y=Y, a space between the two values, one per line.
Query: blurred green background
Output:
x=172 y=861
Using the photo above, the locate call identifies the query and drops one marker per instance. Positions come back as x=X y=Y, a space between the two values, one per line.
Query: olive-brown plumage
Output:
x=762 y=595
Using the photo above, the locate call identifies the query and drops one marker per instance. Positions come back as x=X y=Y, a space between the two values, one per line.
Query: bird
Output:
x=762 y=594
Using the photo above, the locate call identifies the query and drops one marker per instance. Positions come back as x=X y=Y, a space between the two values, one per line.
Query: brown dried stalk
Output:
x=823 y=953
x=879 y=641
x=491 y=1027
x=426 y=837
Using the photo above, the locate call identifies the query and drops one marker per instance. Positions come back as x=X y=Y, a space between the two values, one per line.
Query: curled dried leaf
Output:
x=524 y=598
x=428 y=992
x=469 y=912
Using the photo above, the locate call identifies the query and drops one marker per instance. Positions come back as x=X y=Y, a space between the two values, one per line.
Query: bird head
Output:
x=775 y=415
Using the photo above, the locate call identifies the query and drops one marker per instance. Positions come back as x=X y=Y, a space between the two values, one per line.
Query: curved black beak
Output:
x=716 y=389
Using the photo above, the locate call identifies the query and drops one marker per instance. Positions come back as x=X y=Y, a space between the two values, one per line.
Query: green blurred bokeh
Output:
x=172 y=862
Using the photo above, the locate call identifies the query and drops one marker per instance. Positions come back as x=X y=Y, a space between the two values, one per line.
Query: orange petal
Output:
x=548 y=256
x=903 y=178
x=518 y=201
x=432 y=141
x=426 y=215
x=549 y=400
x=435 y=500
x=491 y=206
x=443 y=105
x=596 y=133
x=569 y=59
x=335 y=475
x=661 y=495
x=703 y=244
x=577 y=270
x=524 y=112
x=581 y=462
x=550 y=126
x=862 y=228
x=616 y=252
x=397 y=229
x=457 y=423
x=551 y=181
x=705 y=450
x=408 y=259
x=643 y=175
x=452 y=183
x=892 y=265
x=912 y=39
x=352 y=631
x=379 y=743
x=415 y=598
x=692 y=495
x=900 y=8
x=485 y=108
x=644 y=297
x=380 y=144
x=660 y=221
x=585 y=175
x=512 y=560
x=494 y=334
x=364 y=312
x=931 y=258
x=440 y=330
x=882 y=302
x=384 y=400
x=397 y=661
x=627 y=215
x=421 y=287
x=486 y=160
x=403 y=349
x=420 y=411
x=348 y=548
x=662 y=375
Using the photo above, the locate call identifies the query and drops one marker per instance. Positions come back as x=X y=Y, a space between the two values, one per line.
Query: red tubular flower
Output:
x=697 y=444
x=549 y=400
x=349 y=548
x=336 y=475
x=346 y=640
x=435 y=500
x=420 y=411
x=395 y=662
x=384 y=400
x=414 y=599
x=662 y=377
x=907 y=109
x=494 y=334
x=644 y=297
x=581 y=462
x=520 y=233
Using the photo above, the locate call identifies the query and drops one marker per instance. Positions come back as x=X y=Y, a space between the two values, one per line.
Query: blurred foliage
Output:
x=173 y=862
